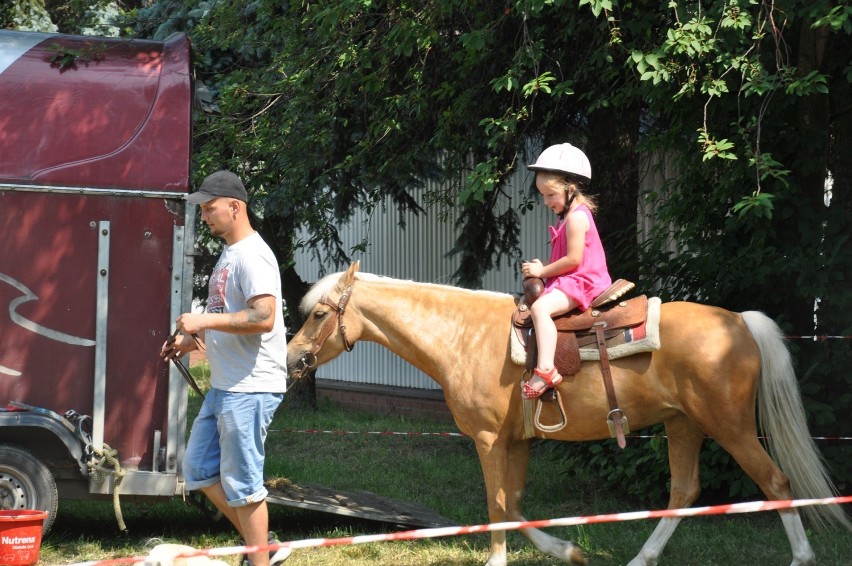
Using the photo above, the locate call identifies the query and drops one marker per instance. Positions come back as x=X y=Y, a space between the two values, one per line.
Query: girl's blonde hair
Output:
x=565 y=182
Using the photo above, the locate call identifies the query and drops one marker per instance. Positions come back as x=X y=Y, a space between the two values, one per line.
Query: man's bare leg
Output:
x=251 y=521
x=254 y=519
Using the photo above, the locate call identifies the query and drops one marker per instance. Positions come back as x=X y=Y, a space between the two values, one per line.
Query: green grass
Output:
x=440 y=473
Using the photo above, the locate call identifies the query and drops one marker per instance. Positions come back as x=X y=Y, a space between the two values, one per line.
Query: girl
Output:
x=577 y=271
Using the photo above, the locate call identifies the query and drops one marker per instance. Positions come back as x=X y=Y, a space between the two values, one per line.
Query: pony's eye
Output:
x=319 y=314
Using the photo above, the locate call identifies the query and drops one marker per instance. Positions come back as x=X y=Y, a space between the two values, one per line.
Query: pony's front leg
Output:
x=565 y=550
x=493 y=458
x=504 y=467
x=498 y=556
x=516 y=464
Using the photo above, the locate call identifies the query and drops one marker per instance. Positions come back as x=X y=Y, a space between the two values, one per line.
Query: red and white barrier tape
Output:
x=733 y=508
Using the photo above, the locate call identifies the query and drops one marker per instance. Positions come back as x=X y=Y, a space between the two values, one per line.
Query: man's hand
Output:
x=192 y=323
x=177 y=346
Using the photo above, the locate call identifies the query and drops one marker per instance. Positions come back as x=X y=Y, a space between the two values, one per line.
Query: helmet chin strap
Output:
x=568 y=205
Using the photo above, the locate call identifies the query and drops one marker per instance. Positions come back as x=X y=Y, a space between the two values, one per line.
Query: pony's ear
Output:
x=348 y=278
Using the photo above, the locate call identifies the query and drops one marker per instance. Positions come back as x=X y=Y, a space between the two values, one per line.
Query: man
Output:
x=243 y=329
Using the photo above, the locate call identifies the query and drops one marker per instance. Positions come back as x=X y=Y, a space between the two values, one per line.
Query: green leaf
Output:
x=759 y=204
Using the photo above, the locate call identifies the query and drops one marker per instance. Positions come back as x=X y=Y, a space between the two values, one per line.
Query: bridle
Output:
x=309 y=359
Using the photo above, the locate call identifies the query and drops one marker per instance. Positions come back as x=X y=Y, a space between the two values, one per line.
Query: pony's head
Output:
x=324 y=335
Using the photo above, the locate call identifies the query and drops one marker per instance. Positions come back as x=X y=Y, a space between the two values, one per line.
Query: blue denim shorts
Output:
x=226 y=444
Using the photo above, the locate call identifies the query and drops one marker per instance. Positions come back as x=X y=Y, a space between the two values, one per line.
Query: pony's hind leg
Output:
x=754 y=460
x=685 y=439
x=803 y=554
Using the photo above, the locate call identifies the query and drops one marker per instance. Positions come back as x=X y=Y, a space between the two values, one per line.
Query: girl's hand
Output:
x=532 y=268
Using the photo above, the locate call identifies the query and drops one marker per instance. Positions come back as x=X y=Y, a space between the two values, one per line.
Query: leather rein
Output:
x=309 y=360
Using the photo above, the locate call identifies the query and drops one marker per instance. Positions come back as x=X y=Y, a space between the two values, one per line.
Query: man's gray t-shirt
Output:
x=248 y=363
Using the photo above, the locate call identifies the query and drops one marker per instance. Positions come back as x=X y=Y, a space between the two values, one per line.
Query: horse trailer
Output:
x=95 y=265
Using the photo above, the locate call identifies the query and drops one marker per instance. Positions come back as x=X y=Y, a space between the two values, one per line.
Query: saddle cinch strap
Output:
x=592 y=326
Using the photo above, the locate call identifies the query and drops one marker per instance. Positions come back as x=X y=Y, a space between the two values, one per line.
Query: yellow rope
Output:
x=109 y=457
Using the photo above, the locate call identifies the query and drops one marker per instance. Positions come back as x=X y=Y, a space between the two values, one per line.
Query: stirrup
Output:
x=551 y=380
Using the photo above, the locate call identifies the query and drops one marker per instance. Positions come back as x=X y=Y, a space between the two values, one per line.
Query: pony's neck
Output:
x=435 y=328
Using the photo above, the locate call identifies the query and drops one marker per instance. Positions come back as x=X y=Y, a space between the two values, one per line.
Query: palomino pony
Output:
x=712 y=367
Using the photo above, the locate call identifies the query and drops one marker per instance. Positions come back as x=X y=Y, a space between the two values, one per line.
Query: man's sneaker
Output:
x=280 y=555
x=275 y=556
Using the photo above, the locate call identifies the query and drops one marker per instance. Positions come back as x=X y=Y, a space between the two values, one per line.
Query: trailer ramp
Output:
x=360 y=504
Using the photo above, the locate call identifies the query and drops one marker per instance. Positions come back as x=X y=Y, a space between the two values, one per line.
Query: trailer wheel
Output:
x=26 y=483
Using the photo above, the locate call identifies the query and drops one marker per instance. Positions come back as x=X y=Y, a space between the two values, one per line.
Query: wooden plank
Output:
x=360 y=504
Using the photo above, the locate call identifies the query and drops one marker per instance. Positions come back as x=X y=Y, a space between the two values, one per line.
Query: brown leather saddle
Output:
x=604 y=320
x=577 y=328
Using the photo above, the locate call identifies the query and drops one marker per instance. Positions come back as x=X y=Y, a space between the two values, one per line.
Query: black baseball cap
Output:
x=219 y=184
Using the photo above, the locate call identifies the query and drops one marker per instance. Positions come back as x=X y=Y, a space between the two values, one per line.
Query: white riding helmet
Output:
x=564 y=158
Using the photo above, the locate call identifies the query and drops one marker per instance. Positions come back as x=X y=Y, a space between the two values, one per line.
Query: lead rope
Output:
x=109 y=457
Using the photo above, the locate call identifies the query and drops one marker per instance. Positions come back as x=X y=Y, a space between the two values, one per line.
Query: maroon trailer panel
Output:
x=116 y=118
x=48 y=283
x=94 y=161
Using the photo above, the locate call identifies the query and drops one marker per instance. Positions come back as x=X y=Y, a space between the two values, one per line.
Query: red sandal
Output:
x=551 y=379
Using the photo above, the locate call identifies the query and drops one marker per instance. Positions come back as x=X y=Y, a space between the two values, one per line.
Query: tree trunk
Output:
x=613 y=134
x=833 y=315
x=813 y=128
x=279 y=232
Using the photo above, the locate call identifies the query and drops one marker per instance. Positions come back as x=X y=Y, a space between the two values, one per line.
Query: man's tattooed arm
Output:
x=259 y=317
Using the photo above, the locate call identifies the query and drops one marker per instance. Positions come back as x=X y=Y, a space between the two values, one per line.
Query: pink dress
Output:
x=591 y=277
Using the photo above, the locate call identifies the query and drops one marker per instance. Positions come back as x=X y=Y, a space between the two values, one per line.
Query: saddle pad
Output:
x=634 y=343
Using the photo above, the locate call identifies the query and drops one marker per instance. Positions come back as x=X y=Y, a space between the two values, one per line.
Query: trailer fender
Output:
x=43 y=436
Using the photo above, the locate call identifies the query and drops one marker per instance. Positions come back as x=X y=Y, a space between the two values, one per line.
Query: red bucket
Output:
x=20 y=536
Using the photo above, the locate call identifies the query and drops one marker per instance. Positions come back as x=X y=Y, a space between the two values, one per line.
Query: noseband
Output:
x=309 y=360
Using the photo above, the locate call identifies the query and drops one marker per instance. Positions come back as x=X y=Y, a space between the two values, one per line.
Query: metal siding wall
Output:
x=418 y=252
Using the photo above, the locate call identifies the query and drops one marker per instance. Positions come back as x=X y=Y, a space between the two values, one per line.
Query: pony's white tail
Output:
x=782 y=418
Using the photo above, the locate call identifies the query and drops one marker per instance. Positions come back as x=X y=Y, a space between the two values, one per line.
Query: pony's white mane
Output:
x=321 y=287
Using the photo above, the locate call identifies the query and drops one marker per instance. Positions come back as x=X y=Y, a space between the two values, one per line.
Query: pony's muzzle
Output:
x=306 y=362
